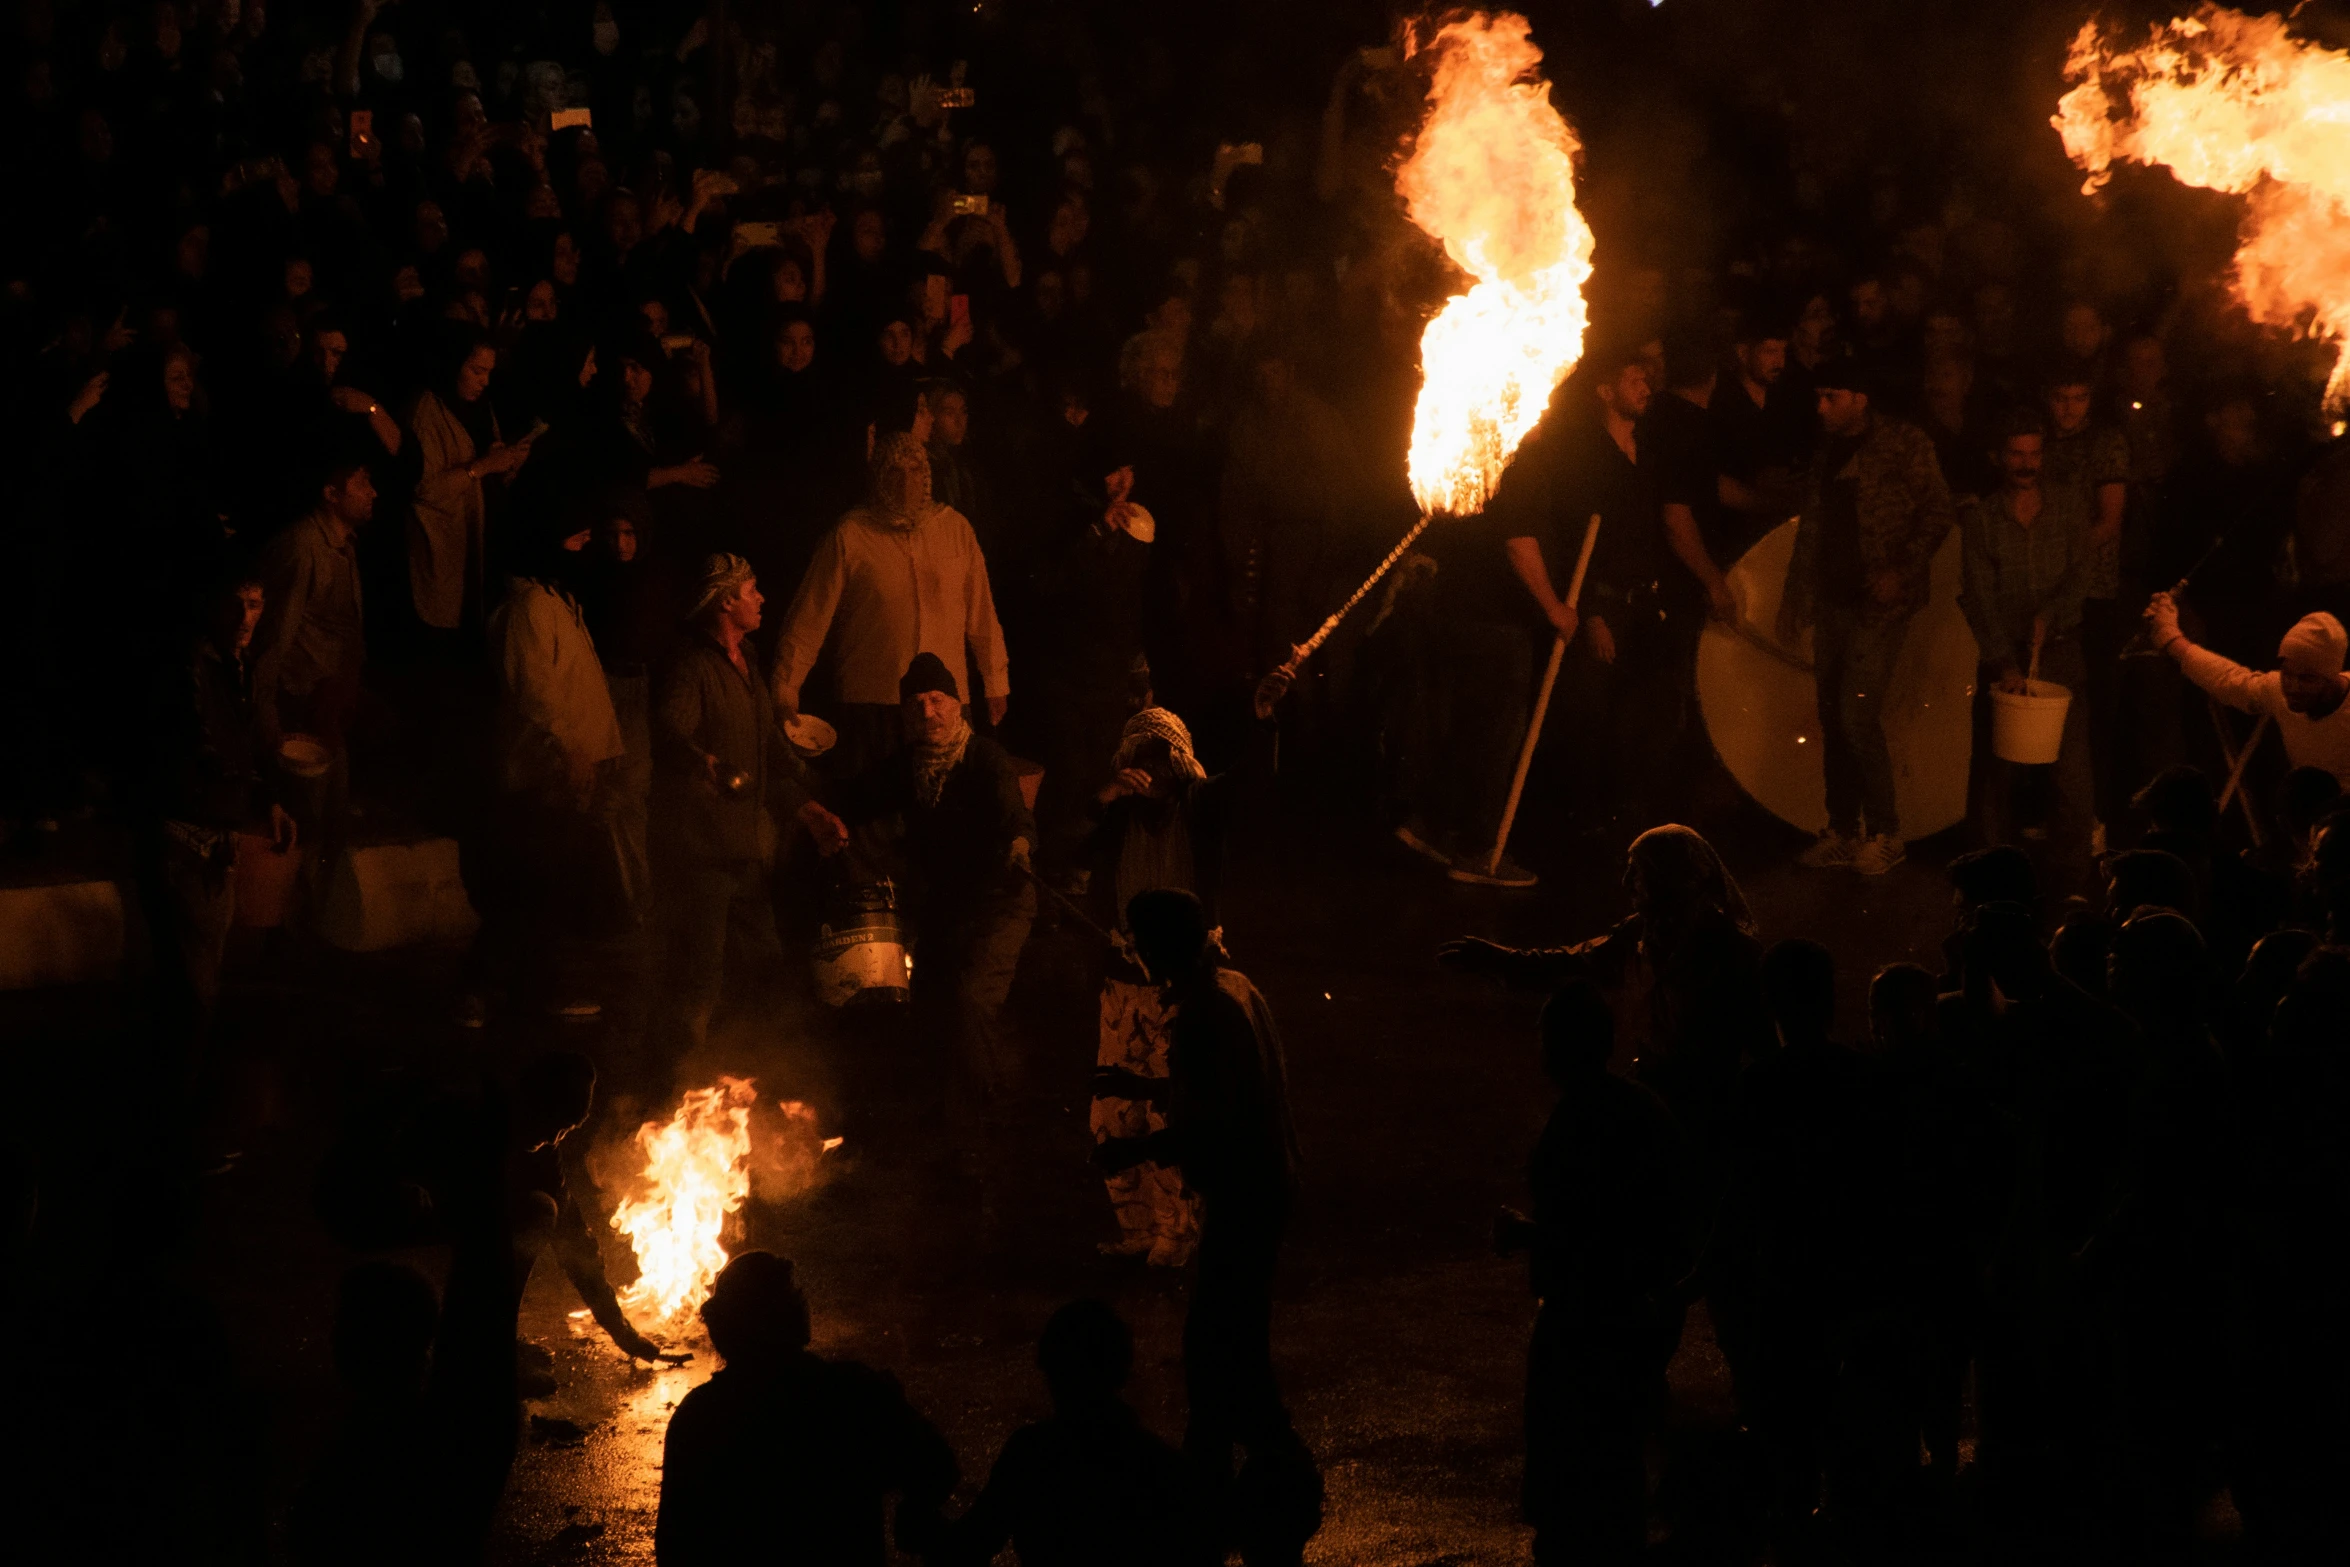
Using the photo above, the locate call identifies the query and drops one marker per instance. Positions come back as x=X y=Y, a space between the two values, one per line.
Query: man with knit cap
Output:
x=899 y=575
x=2304 y=695
x=968 y=834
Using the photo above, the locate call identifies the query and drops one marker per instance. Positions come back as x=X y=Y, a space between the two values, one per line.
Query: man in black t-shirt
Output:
x=1619 y=687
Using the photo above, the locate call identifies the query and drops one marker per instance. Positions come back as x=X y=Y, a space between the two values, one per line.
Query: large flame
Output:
x=1491 y=177
x=2235 y=103
x=697 y=1173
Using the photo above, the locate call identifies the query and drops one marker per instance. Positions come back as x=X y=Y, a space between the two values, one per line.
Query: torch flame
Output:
x=697 y=1172
x=1491 y=177
x=2235 y=103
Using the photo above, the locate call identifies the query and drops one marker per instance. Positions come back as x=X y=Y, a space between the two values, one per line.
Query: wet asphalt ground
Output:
x=1399 y=1336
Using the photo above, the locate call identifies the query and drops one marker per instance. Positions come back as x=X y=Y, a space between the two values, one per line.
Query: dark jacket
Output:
x=960 y=848
x=1228 y=1123
x=1102 y=1491
x=792 y=1463
x=707 y=707
x=205 y=756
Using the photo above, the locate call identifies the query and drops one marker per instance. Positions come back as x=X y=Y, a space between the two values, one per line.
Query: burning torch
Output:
x=1491 y=178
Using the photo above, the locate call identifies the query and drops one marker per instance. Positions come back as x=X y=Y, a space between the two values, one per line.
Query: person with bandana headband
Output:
x=967 y=839
x=725 y=781
x=899 y=576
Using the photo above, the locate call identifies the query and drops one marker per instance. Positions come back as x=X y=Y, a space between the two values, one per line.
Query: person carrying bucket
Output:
x=2028 y=556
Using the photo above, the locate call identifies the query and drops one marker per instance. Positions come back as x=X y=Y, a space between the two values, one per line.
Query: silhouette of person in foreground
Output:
x=1610 y=1247
x=1091 y=1487
x=552 y=1098
x=785 y=1456
x=1227 y=1105
x=416 y=1472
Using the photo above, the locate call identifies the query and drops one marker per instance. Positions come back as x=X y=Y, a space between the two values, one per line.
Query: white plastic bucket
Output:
x=2028 y=725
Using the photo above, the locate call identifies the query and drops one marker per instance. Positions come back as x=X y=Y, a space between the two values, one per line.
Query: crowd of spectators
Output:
x=417 y=408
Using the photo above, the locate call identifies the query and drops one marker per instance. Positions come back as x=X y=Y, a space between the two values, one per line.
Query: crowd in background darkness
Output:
x=447 y=387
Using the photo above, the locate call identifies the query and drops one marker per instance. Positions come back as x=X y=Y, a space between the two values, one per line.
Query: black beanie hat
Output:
x=928 y=672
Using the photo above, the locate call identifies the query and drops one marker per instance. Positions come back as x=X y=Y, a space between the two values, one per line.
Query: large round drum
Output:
x=1764 y=717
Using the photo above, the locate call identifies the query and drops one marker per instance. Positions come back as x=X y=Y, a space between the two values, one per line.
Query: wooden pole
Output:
x=2236 y=761
x=1550 y=675
x=2236 y=770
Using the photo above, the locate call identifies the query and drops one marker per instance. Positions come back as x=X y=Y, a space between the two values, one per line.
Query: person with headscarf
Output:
x=725 y=782
x=898 y=576
x=1682 y=973
x=544 y=871
x=1162 y=823
x=967 y=837
x=457 y=447
x=2305 y=694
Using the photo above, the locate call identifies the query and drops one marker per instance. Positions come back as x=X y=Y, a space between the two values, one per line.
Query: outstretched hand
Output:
x=1475 y=955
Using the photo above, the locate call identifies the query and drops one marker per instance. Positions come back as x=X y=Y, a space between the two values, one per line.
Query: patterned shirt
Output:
x=2015 y=572
x=2086 y=461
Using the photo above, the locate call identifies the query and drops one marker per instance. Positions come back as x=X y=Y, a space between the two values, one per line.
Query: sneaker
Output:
x=1829 y=850
x=1509 y=873
x=1877 y=855
x=582 y=1010
x=1422 y=847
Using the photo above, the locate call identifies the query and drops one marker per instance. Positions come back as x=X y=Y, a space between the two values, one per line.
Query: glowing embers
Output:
x=1491 y=177
x=722 y=1149
x=697 y=1173
x=2235 y=103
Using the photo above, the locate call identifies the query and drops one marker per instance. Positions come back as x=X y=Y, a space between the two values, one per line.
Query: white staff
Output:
x=1550 y=677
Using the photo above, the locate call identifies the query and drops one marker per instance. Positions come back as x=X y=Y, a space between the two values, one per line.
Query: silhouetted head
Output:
x=552 y=1097
x=1170 y=933
x=2000 y=874
x=2155 y=971
x=385 y=1318
x=1578 y=1033
x=756 y=1312
x=2079 y=948
x=2003 y=947
x=2304 y=798
x=2268 y=974
x=1901 y=1007
x=1085 y=1353
x=1799 y=982
x=2179 y=800
x=2315 y=1014
x=2148 y=879
x=1676 y=879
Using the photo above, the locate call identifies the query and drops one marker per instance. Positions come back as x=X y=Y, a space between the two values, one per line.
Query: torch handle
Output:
x=1550 y=677
x=1305 y=650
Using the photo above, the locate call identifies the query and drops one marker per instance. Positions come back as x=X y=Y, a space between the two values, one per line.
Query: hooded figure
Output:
x=1682 y=973
x=898 y=576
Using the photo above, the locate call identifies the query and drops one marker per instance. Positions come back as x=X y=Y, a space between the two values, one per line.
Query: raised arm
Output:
x=2243 y=689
